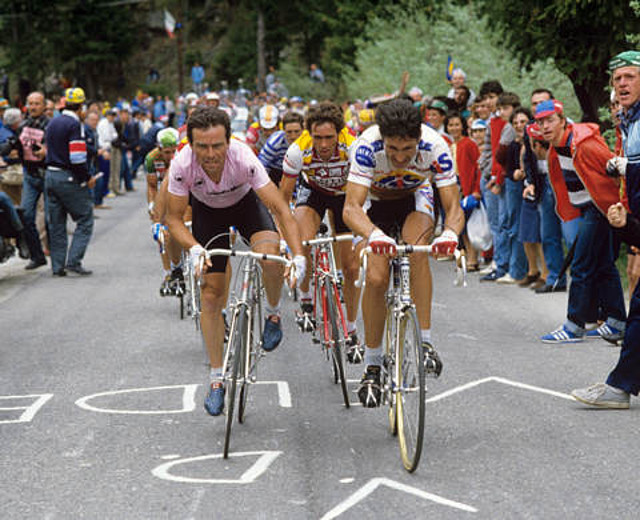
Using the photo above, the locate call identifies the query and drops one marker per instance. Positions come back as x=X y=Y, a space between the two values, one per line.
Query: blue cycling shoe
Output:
x=272 y=333
x=214 y=401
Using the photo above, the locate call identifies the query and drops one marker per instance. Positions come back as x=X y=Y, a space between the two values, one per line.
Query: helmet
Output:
x=167 y=137
x=366 y=116
x=268 y=116
x=74 y=96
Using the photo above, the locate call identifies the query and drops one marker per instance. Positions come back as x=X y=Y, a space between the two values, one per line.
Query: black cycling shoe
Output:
x=305 y=319
x=432 y=362
x=354 y=351
x=370 y=392
x=177 y=281
x=165 y=288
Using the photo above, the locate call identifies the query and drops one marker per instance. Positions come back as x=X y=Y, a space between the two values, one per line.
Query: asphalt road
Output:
x=101 y=389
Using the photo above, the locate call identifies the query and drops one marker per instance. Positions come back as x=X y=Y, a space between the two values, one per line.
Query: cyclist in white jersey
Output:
x=228 y=186
x=396 y=163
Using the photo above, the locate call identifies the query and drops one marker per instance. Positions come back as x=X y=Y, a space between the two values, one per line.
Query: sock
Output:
x=215 y=375
x=372 y=356
x=272 y=311
x=174 y=266
x=306 y=295
x=351 y=327
x=167 y=272
x=425 y=335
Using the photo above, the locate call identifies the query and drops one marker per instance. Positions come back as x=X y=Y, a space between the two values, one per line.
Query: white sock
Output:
x=372 y=356
x=167 y=272
x=425 y=335
x=351 y=327
x=306 y=295
x=215 y=375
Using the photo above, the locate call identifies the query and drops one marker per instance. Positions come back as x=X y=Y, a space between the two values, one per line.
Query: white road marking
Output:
x=374 y=483
x=463 y=336
x=170 y=457
x=29 y=411
x=348 y=480
x=284 y=394
x=495 y=379
x=265 y=458
x=188 y=400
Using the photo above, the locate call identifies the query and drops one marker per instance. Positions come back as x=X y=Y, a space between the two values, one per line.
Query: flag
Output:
x=169 y=23
x=449 y=68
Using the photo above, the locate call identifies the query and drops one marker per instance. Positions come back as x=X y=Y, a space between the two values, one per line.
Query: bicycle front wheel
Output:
x=337 y=340
x=389 y=362
x=251 y=352
x=410 y=390
x=237 y=341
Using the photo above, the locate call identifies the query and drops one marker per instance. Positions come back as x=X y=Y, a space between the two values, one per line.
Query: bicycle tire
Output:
x=410 y=390
x=238 y=342
x=337 y=339
x=181 y=298
x=389 y=337
x=254 y=335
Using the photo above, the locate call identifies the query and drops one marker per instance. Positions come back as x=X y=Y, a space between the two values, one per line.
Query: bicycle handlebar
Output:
x=208 y=253
x=461 y=271
x=327 y=240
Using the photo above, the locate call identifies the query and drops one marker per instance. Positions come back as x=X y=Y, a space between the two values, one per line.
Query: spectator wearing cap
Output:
x=4 y=104
x=212 y=99
x=577 y=170
x=538 y=188
x=478 y=130
x=259 y=132
x=436 y=115
x=68 y=182
x=31 y=134
x=415 y=93
x=624 y=379
x=458 y=79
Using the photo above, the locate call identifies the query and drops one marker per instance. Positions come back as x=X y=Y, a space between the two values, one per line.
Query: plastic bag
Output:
x=478 y=229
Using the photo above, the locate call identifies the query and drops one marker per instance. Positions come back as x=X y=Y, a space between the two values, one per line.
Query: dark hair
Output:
x=74 y=107
x=542 y=91
x=292 y=117
x=521 y=110
x=458 y=115
x=509 y=98
x=325 y=112
x=399 y=118
x=405 y=96
x=491 y=87
x=467 y=93
x=206 y=116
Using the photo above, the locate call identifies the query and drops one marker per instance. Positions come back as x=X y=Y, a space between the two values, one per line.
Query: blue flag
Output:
x=449 y=68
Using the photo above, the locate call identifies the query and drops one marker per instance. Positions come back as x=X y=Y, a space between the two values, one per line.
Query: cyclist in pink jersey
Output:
x=227 y=186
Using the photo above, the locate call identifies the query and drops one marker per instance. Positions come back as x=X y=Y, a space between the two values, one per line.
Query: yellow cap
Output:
x=74 y=95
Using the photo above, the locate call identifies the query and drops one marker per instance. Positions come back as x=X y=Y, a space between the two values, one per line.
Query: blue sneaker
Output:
x=272 y=333
x=214 y=401
x=606 y=332
x=562 y=335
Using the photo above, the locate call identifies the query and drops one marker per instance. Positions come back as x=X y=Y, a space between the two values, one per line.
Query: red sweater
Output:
x=467 y=154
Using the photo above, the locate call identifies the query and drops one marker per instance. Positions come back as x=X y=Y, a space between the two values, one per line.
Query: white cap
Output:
x=213 y=96
x=269 y=116
x=191 y=96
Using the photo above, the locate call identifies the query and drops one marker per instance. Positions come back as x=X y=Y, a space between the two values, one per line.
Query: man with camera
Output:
x=31 y=135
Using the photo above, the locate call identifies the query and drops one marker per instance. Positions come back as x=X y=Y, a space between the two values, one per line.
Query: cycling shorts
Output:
x=390 y=215
x=248 y=216
x=320 y=203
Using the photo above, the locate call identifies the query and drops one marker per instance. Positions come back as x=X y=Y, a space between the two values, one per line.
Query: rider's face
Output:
x=210 y=146
x=325 y=139
x=400 y=150
x=292 y=131
x=167 y=153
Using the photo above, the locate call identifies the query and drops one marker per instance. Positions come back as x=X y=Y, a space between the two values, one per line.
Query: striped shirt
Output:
x=272 y=153
x=578 y=194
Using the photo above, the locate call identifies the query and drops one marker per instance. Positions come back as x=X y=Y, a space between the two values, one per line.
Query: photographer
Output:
x=31 y=135
x=11 y=153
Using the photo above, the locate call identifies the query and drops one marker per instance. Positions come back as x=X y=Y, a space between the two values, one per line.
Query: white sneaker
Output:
x=602 y=396
x=507 y=278
x=486 y=270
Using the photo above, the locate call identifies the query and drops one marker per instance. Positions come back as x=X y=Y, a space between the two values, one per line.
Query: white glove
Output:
x=299 y=267
x=445 y=244
x=382 y=244
x=617 y=166
x=196 y=254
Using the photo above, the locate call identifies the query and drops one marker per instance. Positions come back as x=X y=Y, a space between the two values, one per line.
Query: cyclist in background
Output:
x=320 y=157
x=274 y=150
x=396 y=163
x=228 y=187
x=259 y=132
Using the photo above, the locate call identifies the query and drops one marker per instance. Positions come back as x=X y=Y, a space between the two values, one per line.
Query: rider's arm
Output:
x=291 y=168
x=272 y=198
x=176 y=206
x=287 y=184
x=160 y=208
x=152 y=187
x=450 y=198
x=353 y=214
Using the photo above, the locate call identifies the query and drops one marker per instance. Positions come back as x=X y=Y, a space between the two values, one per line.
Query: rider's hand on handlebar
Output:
x=382 y=244
x=445 y=244
x=299 y=266
x=198 y=259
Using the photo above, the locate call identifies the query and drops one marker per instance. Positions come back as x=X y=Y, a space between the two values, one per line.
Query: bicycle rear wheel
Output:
x=254 y=339
x=410 y=390
x=337 y=340
x=237 y=342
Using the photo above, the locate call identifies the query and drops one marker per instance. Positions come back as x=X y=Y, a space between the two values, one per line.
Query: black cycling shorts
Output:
x=389 y=215
x=248 y=216
x=321 y=202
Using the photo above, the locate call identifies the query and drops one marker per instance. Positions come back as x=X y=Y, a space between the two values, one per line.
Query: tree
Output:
x=579 y=35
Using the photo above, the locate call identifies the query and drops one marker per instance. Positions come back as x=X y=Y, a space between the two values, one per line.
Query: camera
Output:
x=11 y=143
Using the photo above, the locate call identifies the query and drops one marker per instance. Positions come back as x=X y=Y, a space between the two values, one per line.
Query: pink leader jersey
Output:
x=242 y=172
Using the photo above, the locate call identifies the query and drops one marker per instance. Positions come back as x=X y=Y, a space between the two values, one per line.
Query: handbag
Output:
x=478 y=229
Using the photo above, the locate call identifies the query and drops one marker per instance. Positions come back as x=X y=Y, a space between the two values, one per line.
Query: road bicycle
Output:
x=190 y=295
x=403 y=383
x=328 y=323
x=244 y=346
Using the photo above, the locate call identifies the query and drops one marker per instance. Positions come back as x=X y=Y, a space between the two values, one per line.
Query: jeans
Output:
x=551 y=234
x=495 y=213
x=6 y=204
x=137 y=160
x=594 y=276
x=626 y=374
x=125 y=172
x=67 y=197
x=32 y=188
x=517 y=260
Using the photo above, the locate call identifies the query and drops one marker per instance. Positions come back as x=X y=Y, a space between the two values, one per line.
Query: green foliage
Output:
x=295 y=76
x=422 y=48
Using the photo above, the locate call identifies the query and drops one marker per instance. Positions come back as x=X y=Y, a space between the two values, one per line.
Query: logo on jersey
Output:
x=364 y=156
x=402 y=180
